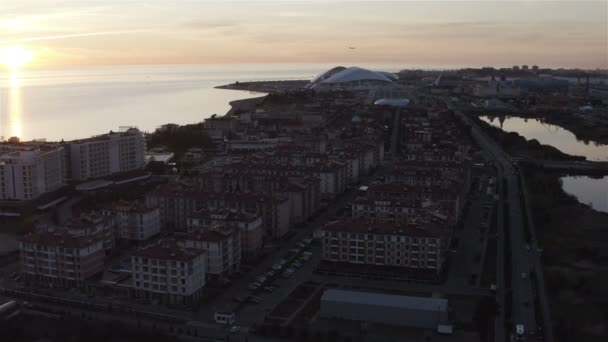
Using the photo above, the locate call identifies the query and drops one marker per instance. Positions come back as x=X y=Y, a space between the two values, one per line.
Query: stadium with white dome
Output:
x=353 y=78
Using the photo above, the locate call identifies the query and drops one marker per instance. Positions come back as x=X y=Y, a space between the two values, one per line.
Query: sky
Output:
x=454 y=33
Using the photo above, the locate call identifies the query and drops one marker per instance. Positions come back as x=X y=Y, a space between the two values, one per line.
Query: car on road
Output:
x=235 y=329
x=260 y=279
x=254 y=300
x=524 y=275
x=269 y=288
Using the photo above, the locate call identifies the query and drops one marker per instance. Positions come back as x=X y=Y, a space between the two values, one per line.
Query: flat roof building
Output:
x=419 y=312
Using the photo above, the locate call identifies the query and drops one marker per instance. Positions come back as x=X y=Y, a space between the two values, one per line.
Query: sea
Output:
x=78 y=102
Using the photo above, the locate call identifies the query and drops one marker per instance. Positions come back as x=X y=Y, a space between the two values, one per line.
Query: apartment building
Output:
x=27 y=172
x=178 y=201
x=249 y=225
x=223 y=246
x=60 y=259
x=107 y=154
x=135 y=220
x=169 y=273
x=416 y=245
x=384 y=211
x=91 y=225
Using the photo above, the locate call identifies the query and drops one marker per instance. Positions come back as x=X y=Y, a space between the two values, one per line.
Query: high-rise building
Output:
x=27 y=172
x=107 y=154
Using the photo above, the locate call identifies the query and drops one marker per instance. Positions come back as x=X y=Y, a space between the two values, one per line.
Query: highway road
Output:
x=524 y=251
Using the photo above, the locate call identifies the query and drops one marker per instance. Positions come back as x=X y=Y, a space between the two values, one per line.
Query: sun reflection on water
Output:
x=11 y=114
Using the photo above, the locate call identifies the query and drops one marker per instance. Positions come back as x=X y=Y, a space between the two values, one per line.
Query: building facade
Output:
x=168 y=273
x=223 y=248
x=58 y=258
x=249 y=225
x=135 y=221
x=107 y=154
x=29 y=172
x=407 y=246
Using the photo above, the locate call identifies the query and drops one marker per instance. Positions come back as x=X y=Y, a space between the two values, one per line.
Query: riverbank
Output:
x=574 y=239
x=518 y=146
x=589 y=127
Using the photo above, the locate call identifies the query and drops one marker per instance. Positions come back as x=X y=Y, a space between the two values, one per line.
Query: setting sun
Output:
x=15 y=56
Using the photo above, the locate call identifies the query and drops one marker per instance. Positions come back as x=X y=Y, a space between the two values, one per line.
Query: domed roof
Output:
x=356 y=74
x=390 y=75
x=392 y=102
x=326 y=74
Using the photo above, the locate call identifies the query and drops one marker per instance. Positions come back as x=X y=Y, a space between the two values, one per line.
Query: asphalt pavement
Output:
x=522 y=260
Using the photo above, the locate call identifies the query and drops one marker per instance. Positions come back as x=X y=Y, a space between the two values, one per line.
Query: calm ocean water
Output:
x=78 y=102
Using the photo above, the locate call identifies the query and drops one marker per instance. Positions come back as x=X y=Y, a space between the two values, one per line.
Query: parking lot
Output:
x=253 y=296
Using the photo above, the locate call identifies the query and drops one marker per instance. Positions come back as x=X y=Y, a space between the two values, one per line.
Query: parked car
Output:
x=235 y=329
x=238 y=299
x=254 y=300
x=260 y=279
x=269 y=273
x=268 y=288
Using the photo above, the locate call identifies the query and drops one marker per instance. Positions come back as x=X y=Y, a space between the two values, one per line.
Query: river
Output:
x=553 y=135
x=592 y=191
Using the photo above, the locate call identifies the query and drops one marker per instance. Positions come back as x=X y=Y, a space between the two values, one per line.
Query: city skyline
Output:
x=438 y=33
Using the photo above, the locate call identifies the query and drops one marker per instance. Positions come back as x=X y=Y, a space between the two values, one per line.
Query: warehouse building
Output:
x=419 y=312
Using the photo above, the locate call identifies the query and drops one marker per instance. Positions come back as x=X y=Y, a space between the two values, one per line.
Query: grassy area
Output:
x=575 y=257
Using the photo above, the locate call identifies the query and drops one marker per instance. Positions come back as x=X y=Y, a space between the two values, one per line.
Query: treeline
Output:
x=180 y=139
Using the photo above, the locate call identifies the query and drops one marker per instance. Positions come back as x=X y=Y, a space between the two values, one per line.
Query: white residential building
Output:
x=107 y=154
x=408 y=246
x=29 y=172
x=223 y=248
x=249 y=226
x=169 y=273
x=136 y=221
x=60 y=258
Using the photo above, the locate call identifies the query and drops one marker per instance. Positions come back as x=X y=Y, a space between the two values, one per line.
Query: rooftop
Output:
x=167 y=250
x=395 y=301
